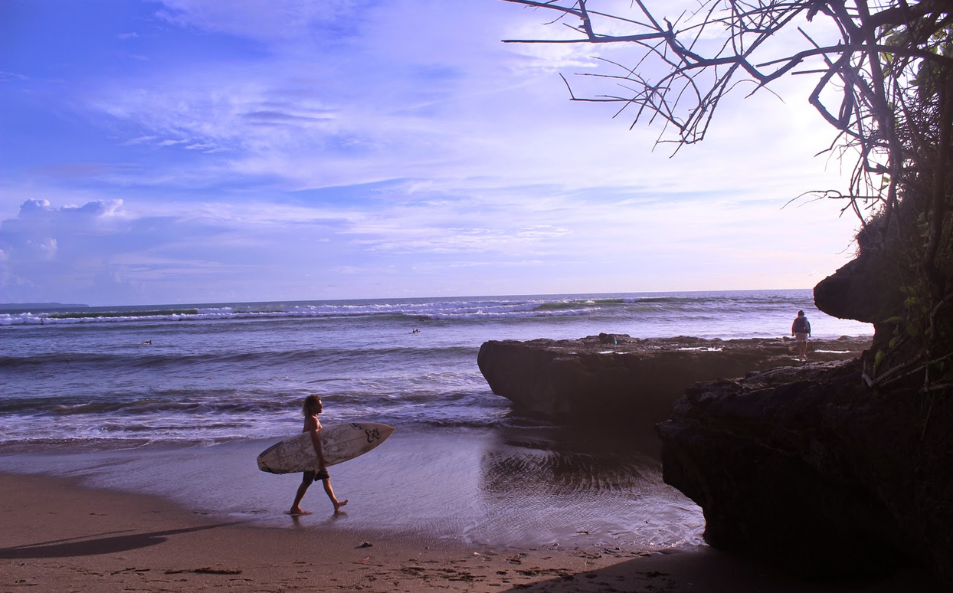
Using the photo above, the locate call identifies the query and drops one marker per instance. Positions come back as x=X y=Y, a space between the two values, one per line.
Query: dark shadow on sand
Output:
x=99 y=545
x=711 y=571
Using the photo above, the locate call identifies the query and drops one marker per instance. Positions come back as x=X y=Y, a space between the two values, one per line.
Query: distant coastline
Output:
x=32 y=306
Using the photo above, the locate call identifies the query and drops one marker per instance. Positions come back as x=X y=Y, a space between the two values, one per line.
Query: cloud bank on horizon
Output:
x=172 y=151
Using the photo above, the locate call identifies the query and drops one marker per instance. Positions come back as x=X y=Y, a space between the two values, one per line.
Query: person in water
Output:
x=311 y=408
x=801 y=330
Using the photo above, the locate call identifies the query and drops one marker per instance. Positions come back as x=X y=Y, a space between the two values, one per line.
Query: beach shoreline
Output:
x=502 y=486
x=59 y=535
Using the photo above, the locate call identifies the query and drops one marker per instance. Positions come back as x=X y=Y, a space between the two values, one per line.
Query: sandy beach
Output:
x=60 y=536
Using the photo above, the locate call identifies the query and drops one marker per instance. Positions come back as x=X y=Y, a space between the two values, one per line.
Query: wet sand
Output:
x=512 y=487
x=497 y=512
x=59 y=536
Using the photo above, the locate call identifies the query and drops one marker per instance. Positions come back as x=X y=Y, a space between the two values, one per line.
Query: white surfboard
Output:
x=339 y=443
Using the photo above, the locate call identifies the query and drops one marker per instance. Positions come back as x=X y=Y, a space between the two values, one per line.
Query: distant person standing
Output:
x=801 y=330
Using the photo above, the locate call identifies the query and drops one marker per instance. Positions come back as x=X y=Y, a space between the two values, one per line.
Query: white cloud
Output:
x=45 y=247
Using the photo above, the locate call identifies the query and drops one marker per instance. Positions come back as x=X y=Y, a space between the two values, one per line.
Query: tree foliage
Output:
x=884 y=81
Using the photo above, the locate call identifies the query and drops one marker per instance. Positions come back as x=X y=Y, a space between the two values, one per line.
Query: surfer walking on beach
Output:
x=311 y=408
x=801 y=330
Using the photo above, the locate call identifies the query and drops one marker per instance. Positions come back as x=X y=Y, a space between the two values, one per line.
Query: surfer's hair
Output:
x=310 y=403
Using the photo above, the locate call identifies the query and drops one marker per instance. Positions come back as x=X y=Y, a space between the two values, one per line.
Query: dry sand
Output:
x=56 y=535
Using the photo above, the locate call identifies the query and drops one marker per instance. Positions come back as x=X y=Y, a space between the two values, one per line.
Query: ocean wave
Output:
x=323 y=354
x=39 y=444
x=430 y=397
x=556 y=305
x=121 y=314
x=43 y=359
x=410 y=310
x=160 y=428
x=114 y=317
x=184 y=405
x=157 y=427
x=358 y=395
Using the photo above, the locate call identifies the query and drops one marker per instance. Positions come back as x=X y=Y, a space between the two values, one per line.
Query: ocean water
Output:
x=201 y=374
x=177 y=401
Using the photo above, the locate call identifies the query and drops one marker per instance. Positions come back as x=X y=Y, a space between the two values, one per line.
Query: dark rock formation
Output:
x=615 y=376
x=811 y=468
x=866 y=289
x=807 y=468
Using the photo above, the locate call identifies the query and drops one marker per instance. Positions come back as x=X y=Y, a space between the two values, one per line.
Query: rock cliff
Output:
x=807 y=468
x=812 y=469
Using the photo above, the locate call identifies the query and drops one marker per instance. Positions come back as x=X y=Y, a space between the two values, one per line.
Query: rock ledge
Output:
x=613 y=376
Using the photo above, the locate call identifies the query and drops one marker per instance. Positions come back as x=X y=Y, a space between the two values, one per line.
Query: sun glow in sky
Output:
x=172 y=151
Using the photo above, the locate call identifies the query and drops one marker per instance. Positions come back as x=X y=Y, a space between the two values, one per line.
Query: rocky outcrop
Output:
x=866 y=289
x=807 y=468
x=799 y=465
x=616 y=376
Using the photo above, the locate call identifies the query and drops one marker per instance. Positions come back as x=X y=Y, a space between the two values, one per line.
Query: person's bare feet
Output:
x=298 y=511
x=339 y=504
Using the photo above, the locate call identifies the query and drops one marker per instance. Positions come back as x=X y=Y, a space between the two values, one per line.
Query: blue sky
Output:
x=175 y=151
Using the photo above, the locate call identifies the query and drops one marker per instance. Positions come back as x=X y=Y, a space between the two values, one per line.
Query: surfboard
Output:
x=339 y=443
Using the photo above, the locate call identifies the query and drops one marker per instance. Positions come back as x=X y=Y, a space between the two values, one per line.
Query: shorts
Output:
x=800 y=336
x=311 y=476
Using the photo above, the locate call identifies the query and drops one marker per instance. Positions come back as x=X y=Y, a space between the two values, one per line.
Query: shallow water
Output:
x=489 y=486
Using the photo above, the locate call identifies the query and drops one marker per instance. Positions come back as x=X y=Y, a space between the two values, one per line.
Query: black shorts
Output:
x=309 y=477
